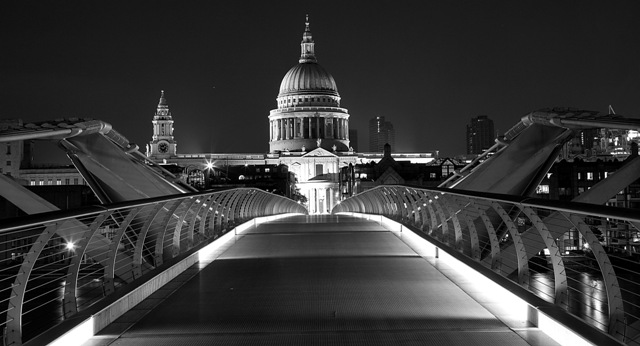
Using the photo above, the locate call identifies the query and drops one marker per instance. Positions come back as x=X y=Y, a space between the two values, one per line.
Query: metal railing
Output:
x=580 y=257
x=54 y=265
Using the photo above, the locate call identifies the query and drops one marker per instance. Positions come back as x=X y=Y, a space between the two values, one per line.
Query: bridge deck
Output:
x=314 y=280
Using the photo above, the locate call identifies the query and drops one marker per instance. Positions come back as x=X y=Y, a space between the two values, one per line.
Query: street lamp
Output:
x=208 y=169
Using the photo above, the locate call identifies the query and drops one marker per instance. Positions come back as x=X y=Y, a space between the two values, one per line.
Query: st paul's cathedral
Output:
x=308 y=132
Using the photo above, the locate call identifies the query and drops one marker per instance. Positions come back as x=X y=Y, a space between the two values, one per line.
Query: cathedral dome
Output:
x=308 y=77
x=309 y=114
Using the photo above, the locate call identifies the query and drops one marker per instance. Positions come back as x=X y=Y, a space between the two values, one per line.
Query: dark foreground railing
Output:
x=583 y=258
x=54 y=265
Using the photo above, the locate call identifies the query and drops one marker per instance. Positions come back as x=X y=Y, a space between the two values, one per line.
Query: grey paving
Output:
x=316 y=281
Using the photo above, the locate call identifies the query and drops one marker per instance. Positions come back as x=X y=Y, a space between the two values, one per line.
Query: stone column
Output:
x=346 y=129
x=287 y=128
x=275 y=130
x=278 y=132
x=295 y=128
x=310 y=128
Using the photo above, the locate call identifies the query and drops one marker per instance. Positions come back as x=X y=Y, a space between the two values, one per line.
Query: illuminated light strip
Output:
x=77 y=335
x=496 y=294
x=559 y=332
x=84 y=331
x=215 y=249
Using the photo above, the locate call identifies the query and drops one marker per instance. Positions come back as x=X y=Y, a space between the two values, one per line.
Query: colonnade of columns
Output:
x=321 y=200
x=308 y=127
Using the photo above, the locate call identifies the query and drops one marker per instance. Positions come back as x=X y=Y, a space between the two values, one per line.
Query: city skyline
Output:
x=428 y=67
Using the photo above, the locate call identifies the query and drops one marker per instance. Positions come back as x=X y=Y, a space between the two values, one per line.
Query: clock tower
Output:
x=162 y=145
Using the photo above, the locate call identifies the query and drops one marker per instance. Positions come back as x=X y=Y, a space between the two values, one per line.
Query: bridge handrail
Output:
x=54 y=265
x=590 y=265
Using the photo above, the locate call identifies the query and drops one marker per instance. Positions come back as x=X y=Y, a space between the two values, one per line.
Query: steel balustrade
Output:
x=580 y=257
x=54 y=265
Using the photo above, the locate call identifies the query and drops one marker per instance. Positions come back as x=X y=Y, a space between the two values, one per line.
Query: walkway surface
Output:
x=315 y=280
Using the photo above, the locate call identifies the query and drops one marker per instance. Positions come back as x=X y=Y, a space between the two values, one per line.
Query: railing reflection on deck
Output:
x=55 y=265
x=568 y=254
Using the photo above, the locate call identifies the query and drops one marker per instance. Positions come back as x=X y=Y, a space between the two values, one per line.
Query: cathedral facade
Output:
x=308 y=132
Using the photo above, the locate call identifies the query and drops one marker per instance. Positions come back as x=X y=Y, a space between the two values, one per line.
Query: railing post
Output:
x=521 y=252
x=19 y=287
x=69 y=300
x=559 y=273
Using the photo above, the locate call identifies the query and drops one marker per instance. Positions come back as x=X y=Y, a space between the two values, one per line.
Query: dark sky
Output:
x=427 y=66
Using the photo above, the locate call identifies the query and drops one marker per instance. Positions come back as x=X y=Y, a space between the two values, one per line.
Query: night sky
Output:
x=428 y=67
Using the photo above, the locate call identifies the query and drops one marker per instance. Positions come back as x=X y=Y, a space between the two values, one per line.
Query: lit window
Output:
x=542 y=190
x=41 y=182
x=589 y=175
x=49 y=181
x=432 y=175
x=58 y=181
x=32 y=182
x=267 y=170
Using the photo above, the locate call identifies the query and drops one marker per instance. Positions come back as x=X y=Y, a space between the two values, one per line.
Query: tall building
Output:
x=308 y=114
x=480 y=135
x=380 y=133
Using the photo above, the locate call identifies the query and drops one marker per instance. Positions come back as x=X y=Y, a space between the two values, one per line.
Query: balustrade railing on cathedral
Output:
x=54 y=265
x=583 y=258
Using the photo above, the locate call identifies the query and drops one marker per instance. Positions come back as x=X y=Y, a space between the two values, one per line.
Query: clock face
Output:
x=163 y=147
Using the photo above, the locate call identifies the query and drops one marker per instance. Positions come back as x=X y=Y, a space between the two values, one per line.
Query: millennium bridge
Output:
x=473 y=261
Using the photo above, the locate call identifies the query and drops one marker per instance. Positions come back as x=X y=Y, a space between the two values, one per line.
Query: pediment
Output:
x=319 y=152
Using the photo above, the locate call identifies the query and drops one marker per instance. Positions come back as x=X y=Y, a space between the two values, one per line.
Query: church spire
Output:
x=163 y=101
x=307 y=45
x=163 y=106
